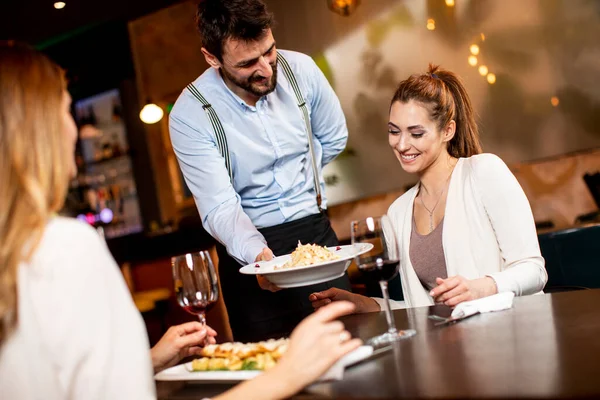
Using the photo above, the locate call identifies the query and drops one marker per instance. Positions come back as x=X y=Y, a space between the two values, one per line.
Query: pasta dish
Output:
x=308 y=254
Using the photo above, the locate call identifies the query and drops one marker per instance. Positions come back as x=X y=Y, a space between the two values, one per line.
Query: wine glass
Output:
x=380 y=264
x=196 y=283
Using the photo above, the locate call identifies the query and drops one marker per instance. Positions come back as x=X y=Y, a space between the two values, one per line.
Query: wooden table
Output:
x=546 y=346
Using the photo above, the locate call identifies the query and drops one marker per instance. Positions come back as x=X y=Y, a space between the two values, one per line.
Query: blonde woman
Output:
x=68 y=326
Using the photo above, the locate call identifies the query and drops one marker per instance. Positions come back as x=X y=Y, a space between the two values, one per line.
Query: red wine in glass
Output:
x=380 y=264
x=197 y=309
x=196 y=283
x=378 y=271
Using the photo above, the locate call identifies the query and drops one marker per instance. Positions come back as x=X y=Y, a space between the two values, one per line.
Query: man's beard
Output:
x=249 y=84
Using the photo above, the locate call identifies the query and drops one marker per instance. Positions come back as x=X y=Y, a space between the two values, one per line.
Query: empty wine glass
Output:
x=196 y=283
x=380 y=264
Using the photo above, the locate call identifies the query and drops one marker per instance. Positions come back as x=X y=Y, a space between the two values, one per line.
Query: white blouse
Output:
x=488 y=231
x=79 y=335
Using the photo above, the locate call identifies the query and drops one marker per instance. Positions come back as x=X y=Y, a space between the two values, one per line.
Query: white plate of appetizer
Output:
x=308 y=265
x=235 y=362
x=228 y=362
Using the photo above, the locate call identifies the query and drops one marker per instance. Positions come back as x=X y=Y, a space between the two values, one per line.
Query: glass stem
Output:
x=202 y=318
x=386 y=307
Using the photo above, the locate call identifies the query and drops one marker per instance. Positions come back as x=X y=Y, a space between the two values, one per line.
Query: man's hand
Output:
x=265 y=255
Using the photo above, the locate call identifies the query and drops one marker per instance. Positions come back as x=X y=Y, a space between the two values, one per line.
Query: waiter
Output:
x=252 y=135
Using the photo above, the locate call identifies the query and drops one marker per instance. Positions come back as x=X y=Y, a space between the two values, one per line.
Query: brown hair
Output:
x=34 y=167
x=444 y=94
x=219 y=20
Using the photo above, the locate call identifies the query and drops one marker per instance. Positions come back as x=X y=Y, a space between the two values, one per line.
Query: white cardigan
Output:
x=488 y=231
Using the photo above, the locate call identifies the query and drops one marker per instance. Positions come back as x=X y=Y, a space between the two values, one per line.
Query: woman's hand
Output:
x=181 y=341
x=316 y=344
x=362 y=304
x=457 y=289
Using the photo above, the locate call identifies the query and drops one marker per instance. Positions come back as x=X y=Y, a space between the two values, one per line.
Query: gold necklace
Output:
x=436 y=204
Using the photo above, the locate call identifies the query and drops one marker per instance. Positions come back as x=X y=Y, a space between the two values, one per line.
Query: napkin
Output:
x=336 y=372
x=497 y=302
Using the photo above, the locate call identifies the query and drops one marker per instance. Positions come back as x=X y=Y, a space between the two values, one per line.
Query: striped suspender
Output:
x=289 y=74
x=217 y=127
x=222 y=139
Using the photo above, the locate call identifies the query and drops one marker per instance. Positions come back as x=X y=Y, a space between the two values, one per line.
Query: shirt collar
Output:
x=236 y=98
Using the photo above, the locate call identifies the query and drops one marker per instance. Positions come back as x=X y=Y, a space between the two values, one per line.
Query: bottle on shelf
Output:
x=116 y=111
x=116 y=146
x=92 y=116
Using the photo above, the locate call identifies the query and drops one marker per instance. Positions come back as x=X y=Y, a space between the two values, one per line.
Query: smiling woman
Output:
x=466 y=230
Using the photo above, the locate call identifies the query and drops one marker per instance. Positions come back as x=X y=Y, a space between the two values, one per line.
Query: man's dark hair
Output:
x=218 y=20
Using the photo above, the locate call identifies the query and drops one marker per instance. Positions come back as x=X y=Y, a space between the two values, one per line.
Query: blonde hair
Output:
x=34 y=164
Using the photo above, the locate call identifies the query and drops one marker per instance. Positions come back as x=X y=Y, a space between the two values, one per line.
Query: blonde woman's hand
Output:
x=181 y=341
x=456 y=289
x=362 y=304
x=316 y=344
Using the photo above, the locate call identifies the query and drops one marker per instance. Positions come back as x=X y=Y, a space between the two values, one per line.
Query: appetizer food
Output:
x=241 y=356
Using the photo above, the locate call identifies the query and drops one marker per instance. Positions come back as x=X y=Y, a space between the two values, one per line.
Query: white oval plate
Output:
x=183 y=372
x=309 y=274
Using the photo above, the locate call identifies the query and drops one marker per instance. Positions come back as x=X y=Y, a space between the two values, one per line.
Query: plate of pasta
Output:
x=308 y=265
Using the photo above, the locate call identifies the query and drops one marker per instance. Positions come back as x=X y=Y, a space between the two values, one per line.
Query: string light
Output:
x=431 y=24
x=59 y=5
x=472 y=61
x=491 y=78
x=482 y=37
x=483 y=70
x=450 y=3
x=554 y=101
x=474 y=49
x=343 y=7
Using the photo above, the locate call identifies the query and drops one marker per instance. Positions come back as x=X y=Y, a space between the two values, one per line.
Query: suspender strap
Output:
x=222 y=139
x=217 y=127
x=289 y=74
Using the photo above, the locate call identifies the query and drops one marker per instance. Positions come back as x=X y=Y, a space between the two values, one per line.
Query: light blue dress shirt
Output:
x=272 y=171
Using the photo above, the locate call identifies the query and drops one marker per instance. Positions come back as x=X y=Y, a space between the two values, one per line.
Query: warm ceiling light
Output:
x=151 y=113
x=554 y=101
x=450 y=3
x=59 y=5
x=491 y=78
x=431 y=24
x=472 y=61
x=483 y=70
x=343 y=7
x=474 y=49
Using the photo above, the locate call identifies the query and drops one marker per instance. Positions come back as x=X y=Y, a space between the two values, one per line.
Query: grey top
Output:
x=427 y=255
